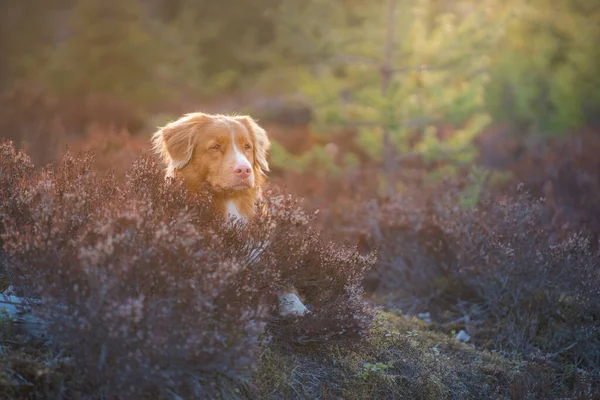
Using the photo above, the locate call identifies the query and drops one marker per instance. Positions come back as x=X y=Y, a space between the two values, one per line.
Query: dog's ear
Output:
x=174 y=142
x=261 y=143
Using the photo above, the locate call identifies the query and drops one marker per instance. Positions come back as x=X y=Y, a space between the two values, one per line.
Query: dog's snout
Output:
x=243 y=170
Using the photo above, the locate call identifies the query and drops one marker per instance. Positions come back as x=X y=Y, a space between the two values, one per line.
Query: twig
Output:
x=19 y=376
x=559 y=352
x=461 y=319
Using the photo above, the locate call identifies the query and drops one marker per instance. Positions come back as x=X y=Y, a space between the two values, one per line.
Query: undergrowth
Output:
x=147 y=293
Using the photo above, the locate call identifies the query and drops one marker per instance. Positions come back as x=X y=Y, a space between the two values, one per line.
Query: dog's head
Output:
x=228 y=152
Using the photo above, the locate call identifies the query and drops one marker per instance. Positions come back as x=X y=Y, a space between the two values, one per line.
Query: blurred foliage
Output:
x=395 y=73
x=546 y=69
x=464 y=64
x=114 y=48
x=225 y=34
x=316 y=159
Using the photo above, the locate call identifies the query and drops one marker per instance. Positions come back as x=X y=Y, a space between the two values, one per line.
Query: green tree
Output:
x=546 y=70
x=395 y=72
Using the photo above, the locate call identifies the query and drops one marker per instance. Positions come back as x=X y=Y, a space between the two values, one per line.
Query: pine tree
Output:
x=394 y=72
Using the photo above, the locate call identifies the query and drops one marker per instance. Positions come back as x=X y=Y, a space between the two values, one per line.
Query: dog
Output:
x=230 y=154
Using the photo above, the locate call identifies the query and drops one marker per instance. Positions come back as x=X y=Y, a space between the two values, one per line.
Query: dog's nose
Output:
x=243 y=171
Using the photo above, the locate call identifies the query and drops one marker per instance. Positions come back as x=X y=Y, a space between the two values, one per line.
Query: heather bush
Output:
x=327 y=274
x=282 y=250
x=415 y=254
x=15 y=166
x=148 y=293
x=496 y=270
x=567 y=173
x=535 y=292
x=127 y=288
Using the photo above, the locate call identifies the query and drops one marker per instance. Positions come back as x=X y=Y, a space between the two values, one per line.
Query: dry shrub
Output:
x=565 y=171
x=416 y=255
x=150 y=294
x=14 y=168
x=533 y=292
x=327 y=274
x=128 y=288
x=539 y=380
x=572 y=187
x=498 y=269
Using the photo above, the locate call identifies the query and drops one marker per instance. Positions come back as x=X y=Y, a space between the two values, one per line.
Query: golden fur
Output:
x=203 y=148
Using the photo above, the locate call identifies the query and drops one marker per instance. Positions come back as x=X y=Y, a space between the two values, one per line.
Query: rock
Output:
x=290 y=304
x=425 y=317
x=463 y=336
x=18 y=311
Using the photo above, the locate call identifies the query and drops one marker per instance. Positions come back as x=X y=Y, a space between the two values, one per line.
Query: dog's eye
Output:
x=247 y=146
x=216 y=147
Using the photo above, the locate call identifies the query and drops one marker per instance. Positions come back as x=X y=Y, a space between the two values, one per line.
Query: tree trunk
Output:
x=386 y=76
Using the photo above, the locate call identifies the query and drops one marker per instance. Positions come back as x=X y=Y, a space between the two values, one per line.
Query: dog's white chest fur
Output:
x=232 y=210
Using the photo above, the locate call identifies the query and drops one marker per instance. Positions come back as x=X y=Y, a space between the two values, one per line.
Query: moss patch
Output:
x=402 y=358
